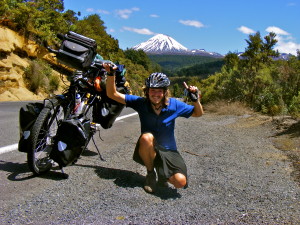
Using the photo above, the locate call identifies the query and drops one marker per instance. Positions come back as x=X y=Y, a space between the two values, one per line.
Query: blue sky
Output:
x=214 y=25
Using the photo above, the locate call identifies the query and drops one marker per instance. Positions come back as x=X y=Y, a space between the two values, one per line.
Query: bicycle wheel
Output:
x=43 y=132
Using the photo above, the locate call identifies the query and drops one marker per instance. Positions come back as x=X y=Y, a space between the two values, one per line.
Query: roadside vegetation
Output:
x=254 y=79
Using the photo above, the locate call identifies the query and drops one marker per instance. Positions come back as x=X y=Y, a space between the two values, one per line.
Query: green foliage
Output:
x=231 y=61
x=176 y=92
x=54 y=82
x=294 y=107
x=42 y=20
x=201 y=70
x=38 y=20
x=259 y=52
x=138 y=57
x=93 y=27
x=268 y=86
x=268 y=101
x=172 y=64
x=39 y=77
x=141 y=58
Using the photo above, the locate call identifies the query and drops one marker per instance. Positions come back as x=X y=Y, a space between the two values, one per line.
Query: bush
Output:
x=54 y=83
x=39 y=77
x=269 y=101
x=294 y=107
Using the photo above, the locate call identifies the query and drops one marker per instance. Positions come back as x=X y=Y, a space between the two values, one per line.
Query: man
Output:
x=156 y=147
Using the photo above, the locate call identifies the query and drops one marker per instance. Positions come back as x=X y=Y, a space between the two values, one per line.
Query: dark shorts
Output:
x=167 y=162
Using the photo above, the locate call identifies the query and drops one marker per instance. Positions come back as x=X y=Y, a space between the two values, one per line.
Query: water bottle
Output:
x=77 y=109
x=82 y=106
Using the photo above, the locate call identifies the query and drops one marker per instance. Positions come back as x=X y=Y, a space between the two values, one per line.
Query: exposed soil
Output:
x=287 y=139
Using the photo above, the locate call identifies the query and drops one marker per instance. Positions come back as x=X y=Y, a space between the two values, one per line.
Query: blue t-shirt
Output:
x=162 y=125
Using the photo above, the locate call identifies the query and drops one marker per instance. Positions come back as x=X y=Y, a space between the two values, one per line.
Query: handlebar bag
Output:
x=71 y=139
x=77 y=51
x=27 y=117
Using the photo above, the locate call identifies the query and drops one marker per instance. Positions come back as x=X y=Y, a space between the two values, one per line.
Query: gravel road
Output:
x=236 y=176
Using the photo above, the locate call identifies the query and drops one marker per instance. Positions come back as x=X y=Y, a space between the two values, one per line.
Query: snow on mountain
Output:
x=163 y=44
x=160 y=43
x=205 y=53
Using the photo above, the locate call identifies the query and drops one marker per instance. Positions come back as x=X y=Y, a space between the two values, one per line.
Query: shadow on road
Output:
x=122 y=178
x=129 y=179
x=293 y=130
x=21 y=172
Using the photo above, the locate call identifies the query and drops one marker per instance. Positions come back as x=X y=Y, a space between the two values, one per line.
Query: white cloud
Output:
x=125 y=13
x=277 y=30
x=286 y=42
x=144 y=31
x=246 y=30
x=101 y=11
x=287 y=47
x=291 y=4
x=89 y=10
x=154 y=15
x=193 y=23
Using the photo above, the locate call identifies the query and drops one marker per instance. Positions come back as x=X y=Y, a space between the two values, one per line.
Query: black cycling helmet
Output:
x=157 y=80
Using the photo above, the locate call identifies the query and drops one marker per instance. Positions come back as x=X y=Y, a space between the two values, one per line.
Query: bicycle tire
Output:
x=43 y=132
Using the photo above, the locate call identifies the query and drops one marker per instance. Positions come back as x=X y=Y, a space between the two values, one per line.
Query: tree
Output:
x=93 y=27
x=231 y=61
x=138 y=57
x=259 y=52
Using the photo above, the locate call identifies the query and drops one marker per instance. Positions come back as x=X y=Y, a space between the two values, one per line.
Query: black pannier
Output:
x=106 y=111
x=77 y=51
x=71 y=139
x=27 y=117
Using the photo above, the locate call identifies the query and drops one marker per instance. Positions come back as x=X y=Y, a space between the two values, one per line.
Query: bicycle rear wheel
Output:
x=43 y=133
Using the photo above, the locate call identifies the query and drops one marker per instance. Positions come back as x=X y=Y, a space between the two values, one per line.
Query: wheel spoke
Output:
x=44 y=132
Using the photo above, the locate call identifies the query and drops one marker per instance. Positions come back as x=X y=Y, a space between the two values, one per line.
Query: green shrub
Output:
x=294 y=107
x=54 y=83
x=39 y=77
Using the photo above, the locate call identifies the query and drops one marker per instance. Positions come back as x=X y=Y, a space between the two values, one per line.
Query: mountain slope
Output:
x=161 y=43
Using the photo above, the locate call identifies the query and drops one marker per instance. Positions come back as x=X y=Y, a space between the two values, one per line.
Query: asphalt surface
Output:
x=236 y=176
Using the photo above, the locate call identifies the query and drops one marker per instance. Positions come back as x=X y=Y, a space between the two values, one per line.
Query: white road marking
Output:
x=123 y=117
x=9 y=148
x=14 y=147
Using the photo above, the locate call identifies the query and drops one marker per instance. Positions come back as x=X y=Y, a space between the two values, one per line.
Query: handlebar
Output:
x=99 y=64
x=84 y=81
x=45 y=43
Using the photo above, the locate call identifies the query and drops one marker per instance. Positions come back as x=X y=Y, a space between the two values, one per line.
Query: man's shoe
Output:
x=162 y=182
x=150 y=182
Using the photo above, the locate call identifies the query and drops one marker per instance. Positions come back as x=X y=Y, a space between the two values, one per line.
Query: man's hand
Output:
x=193 y=92
x=110 y=67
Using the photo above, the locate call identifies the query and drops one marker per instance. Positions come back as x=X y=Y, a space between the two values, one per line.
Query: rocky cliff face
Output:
x=15 y=52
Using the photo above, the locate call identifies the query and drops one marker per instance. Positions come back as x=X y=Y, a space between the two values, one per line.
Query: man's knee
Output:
x=146 y=139
x=178 y=180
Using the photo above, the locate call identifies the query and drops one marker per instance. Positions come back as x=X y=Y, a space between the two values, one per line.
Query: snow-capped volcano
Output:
x=161 y=43
x=164 y=44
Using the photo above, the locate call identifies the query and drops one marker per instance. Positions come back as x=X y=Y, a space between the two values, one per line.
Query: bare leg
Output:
x=147 y=154
x=147 y=151
x=178 y=180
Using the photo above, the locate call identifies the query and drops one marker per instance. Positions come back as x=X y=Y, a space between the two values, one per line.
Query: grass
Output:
x=227 y=108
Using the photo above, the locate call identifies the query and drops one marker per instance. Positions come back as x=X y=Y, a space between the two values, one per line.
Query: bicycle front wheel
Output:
x=43 y=133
